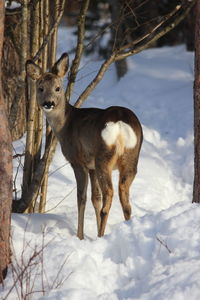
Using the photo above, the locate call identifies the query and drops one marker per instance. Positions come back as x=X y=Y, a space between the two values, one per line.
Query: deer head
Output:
x=50 y=92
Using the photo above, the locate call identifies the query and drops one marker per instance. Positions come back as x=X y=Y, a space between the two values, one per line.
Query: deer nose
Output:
x=48 y=105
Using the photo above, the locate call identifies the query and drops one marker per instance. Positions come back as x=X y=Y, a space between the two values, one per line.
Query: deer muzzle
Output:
x=48 y=105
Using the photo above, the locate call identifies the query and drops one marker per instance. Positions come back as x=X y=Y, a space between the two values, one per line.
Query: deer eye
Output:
x=58 y=89
x=41 y=89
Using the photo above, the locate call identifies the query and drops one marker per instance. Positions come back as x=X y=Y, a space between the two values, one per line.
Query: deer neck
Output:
x=58 y=117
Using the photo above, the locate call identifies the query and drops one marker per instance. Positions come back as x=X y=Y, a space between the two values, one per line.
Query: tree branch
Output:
x=79 y=49
x=51 y=31
x=162 y=20
x=174 y=17
x=19 y=206
x=96 y=80
x=168 y=23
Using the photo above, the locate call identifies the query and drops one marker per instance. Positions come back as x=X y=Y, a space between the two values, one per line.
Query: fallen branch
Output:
x=163 y=244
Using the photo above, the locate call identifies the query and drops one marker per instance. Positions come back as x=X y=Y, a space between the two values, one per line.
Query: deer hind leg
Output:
x=107 y=192
x=96 y=196
x=81 y=175
x=104 y=171
x=127 y=174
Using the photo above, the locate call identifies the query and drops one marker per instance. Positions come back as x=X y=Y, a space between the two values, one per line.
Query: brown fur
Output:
x=79 y=134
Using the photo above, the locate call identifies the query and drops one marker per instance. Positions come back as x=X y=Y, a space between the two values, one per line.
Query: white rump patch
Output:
x=113 y=131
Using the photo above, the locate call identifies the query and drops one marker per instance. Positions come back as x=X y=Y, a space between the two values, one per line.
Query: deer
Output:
x=95 y=142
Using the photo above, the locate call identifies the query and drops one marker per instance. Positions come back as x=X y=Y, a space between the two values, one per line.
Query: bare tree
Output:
x=156 y=29
x=15 y=52
x=5 y=172
x=44 y=17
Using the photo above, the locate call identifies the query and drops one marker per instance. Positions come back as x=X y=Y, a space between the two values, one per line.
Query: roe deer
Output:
x=95 y=141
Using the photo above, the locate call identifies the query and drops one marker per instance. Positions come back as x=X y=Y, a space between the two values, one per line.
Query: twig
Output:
x=79 y=49
x=50 y=174
x=18 y=155
x=96 y=80
x=15 y=177
x=51 y=31
x=138 y=45
x=175 y=17
x=141 y=38
x=163 y=244
x=133 y=13
x=59 y=283
x=32 y=193
x=24 y=270
x=47 y=211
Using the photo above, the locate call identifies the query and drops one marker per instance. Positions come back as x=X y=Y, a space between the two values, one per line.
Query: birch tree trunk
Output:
x=5 y=171
x=43 y=39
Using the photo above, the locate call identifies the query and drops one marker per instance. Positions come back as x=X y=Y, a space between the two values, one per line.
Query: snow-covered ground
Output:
x=155 y=255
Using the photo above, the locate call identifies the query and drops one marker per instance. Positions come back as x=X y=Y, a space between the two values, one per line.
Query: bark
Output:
x=196 y=188
x=43 y=35
x=31 y=194
x=118 y=34
x=190 y=29
x=52 y=59
x=13 y=73
x=51 y=31
x=5 y=171
x=79 y=49
x=31 y=156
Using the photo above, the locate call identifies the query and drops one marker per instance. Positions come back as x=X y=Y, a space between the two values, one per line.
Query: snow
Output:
x=156 y=254
x=12 y=5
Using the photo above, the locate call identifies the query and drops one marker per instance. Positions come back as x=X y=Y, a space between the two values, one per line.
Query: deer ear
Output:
x=33 y=70
x=61 y=66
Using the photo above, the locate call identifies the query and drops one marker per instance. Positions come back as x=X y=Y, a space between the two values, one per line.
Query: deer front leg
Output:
x=81 y=175
x=96 y=196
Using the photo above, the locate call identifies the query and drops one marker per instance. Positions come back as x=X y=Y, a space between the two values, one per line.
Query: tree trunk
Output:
x=118 y=35
x=196 y=187
x=5 y=171
x=13 y=89
x=190 y=29
x=42 y=33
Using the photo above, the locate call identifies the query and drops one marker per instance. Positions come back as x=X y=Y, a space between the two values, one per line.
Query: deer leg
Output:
x=104 y=177
x=81 y=175
x=107 y=191
x=96 y=196
x=126 y=177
